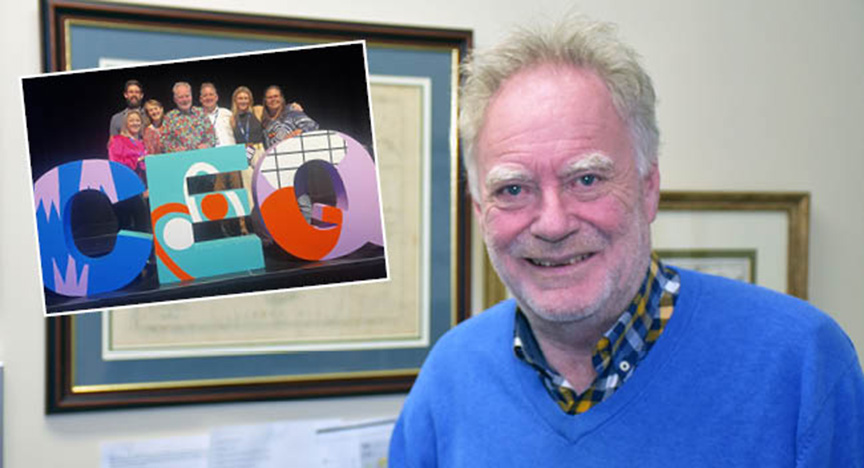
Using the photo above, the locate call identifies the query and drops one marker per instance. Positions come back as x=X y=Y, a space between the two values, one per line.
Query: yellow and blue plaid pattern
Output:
x=620 y=350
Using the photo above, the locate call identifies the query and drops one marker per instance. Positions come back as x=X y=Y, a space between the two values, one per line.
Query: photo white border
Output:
x=116 y=65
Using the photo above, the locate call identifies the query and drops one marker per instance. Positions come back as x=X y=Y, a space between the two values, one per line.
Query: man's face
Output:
x=133 y=95
x=209 y=98
x=273 y=100
x=183 y=98
x=564 y=212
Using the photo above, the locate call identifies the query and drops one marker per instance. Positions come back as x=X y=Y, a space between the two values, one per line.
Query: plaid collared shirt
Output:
x=621 y=349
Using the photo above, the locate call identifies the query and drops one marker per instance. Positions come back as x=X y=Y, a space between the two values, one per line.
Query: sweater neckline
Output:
x=573 y=427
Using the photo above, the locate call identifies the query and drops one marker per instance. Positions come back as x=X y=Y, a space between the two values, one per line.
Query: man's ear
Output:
x=651 y=192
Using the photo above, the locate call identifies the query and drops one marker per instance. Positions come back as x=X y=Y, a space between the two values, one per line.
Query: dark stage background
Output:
x=67 y=115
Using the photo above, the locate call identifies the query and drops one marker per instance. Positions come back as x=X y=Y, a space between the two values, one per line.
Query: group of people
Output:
x=141 y=130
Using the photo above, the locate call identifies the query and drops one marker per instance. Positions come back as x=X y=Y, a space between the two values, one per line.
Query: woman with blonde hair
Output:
x=126 y=148
x=246 y=117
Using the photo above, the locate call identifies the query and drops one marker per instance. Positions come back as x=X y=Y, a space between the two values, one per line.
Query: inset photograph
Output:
x=208 y=177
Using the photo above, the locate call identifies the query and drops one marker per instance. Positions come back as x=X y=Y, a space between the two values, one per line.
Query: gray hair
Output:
x=181 y=84
x=574 y=40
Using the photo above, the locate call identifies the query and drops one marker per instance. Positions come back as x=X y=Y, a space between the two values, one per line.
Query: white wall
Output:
x=753 y=96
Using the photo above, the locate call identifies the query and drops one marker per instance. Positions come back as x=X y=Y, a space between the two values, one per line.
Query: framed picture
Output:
x=324 y=342
x=726 y=233
x=729 y=263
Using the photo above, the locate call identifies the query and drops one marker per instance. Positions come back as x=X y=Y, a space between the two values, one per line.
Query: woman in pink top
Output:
x=126 y=148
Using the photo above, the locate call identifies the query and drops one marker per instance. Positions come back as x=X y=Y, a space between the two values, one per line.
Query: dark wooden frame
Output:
x=55 y=12
x=796 y=206
x=60 y=354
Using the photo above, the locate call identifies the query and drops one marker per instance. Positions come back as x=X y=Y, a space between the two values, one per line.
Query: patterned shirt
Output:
x=153 y=139
x=184 y=131
x=621 y=349
x=288 y=121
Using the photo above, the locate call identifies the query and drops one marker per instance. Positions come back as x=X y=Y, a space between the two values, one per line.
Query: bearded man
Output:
x=133 y=93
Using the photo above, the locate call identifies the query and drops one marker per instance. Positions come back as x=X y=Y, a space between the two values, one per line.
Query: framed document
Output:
x=771 y=227
x=729 y=263
x=725 y=233
x=321 y=342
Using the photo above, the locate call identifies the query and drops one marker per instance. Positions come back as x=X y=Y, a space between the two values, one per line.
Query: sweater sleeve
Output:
x=835 y=437
x=303 y=121
x=413 y=443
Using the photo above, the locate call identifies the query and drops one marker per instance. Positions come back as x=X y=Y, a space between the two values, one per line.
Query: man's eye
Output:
x=511 y=190
x=512 y=196
x=588 y=180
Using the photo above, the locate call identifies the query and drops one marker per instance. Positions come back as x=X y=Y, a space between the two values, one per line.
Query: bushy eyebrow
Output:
x=594 y=162
x=505 y=173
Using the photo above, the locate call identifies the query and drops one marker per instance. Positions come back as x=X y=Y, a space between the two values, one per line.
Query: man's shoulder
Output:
x=743 y=298
x=478 y=347
x=753 y=314
x=482 y=335
x=117 y=121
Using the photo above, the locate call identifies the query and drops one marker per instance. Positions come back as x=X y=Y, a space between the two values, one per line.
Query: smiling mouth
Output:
x=560 y=263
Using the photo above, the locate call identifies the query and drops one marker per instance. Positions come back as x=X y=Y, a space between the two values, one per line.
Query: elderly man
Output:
x=133 y=93
x=219 y=117
x=186 y=128
x=607 y=357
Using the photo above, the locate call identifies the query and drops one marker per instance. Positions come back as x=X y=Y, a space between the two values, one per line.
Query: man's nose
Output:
x=552 y=222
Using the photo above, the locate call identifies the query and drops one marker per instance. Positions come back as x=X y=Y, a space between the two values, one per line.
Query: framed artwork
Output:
x=729 y=263
x=726 y=233
x=322 y=342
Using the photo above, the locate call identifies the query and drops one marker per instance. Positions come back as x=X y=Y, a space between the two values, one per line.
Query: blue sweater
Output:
x=740 y=377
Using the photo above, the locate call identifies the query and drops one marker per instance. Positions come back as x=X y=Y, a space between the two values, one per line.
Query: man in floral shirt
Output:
x=186 y=127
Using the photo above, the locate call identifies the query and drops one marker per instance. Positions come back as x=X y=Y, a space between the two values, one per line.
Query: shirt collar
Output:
x=623 y=345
